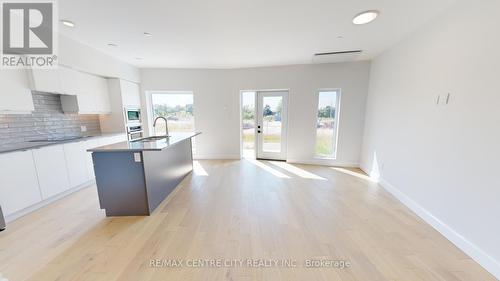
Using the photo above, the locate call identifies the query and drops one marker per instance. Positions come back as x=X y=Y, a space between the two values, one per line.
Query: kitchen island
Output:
x=134 y=177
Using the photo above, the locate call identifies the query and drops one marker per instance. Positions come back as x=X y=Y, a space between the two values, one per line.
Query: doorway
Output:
x=264 y=124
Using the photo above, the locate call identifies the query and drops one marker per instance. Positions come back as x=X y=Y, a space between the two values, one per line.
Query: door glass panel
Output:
x=248 y=124
x=271 y=123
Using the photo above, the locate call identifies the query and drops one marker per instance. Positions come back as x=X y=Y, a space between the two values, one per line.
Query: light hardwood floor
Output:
x=238 y=210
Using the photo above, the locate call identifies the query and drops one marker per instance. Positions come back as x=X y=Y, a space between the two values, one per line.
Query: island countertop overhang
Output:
x=138 y=146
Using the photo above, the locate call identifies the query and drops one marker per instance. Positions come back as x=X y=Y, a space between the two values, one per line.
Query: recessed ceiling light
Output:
x=68 y=23
x=365 y=17
x=112 y=45
x=147 y=34
x=138 y=58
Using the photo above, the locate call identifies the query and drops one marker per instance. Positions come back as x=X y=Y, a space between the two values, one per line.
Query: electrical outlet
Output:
x=83 y=128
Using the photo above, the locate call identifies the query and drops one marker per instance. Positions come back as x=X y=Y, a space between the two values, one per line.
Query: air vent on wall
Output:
x=338 y=56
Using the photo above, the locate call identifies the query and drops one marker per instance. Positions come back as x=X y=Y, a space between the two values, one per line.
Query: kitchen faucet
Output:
x=166 y=124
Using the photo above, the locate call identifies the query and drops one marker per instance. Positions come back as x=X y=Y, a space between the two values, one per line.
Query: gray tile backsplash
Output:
x=46 y=121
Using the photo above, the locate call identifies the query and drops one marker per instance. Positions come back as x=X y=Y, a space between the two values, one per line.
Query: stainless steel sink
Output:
x=152 y=139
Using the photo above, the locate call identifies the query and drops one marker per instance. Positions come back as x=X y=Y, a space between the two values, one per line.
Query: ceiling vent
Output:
x=340 y=56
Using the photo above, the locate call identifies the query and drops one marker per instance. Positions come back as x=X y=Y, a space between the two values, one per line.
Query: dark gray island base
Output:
x=133 y=178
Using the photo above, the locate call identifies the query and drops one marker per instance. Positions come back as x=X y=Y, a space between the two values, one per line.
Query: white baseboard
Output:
x=324 y=162
x=25 y=211
x=216 y=156
x=476 y=253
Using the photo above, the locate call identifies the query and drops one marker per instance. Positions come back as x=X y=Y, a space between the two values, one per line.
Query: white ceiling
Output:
x=237 y=33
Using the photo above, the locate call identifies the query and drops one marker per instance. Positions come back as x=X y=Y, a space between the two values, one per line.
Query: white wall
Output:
x=442 y=161
x=216 y=101
x=85 y=58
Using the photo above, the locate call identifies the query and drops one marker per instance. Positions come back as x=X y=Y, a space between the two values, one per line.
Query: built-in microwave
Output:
x=132 y=115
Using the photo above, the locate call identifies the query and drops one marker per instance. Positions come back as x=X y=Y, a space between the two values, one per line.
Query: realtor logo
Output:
x=28 y=34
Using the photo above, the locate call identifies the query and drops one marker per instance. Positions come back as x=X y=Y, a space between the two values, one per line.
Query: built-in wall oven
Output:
x=134 y=131
x=132 y=115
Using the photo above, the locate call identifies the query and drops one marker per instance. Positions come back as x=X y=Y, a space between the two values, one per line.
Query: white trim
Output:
x=25 y=211
x=216 y=157
x=240 y=96
x=469 y=248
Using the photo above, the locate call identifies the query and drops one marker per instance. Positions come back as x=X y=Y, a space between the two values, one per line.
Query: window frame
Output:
x=333 y=156
x=254 y=119
x=151 y=106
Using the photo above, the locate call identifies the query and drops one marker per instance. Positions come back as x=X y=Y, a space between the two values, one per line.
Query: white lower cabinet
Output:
x=51 y=168
x=18 y=181
x=30 y=177
x=76 y=161
x=88 y=155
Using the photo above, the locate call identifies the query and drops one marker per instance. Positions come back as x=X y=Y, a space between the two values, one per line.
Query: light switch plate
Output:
x=83 y=128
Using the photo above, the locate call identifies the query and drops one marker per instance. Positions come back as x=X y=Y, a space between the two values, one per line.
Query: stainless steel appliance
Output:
x=166 y=124
x=132 y=115
x=2 y=220
x=134 y=131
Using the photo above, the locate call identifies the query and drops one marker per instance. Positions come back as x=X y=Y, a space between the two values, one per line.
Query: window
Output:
x=248 y=124
x=327 y=123
x=177 y=107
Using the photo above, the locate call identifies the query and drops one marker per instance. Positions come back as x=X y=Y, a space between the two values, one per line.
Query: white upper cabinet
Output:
x=130 y=94
x=86 y=96
x=68 y=81
x=46 y=80
x=18 y=181
x=103 y=99
x=90 y=92
x=51 y=169
x=60 y=80
x=98 y=89
x=15 y=95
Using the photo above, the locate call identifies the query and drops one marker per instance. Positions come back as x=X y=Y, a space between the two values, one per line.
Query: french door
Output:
x=272 y=124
